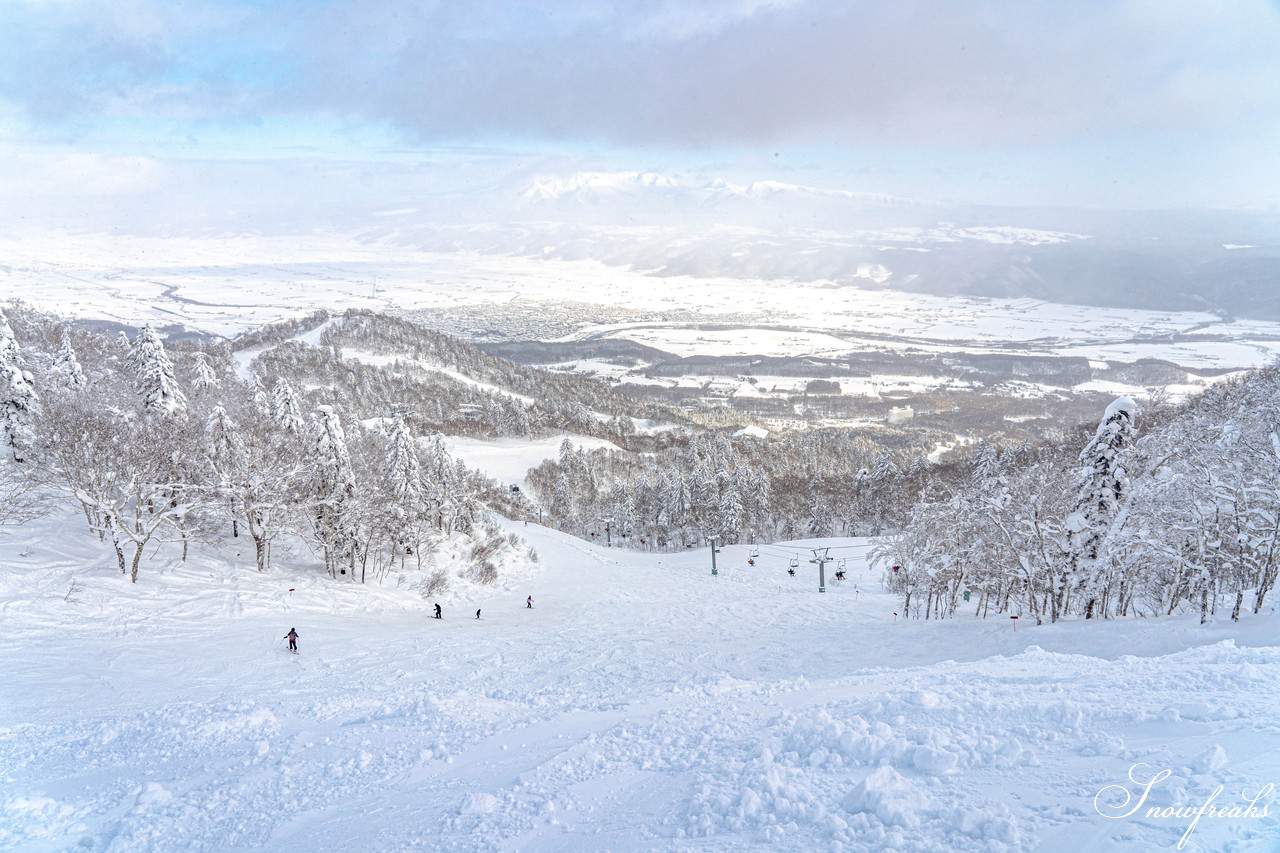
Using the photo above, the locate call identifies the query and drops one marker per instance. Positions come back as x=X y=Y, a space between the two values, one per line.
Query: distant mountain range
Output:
x=1222 y=261
x=597 y=187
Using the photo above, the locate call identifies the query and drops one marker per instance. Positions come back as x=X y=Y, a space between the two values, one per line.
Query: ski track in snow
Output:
x=641 y=705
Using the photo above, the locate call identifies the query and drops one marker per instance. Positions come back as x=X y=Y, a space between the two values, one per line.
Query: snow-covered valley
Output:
x=227 y=285
x=641 y=704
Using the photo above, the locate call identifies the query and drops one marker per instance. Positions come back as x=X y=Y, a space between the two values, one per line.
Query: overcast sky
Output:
x=1149 y=103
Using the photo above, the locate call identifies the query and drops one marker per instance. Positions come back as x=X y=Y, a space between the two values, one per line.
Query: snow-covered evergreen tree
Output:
x=153 y=375
x=284 y=407
x=732 y=513
x=203 y=377
x=261 y=398
x=19 y=402
x=66 y=367
x=986 y=463
x=1103 y=484
x=334 y=488
x=885 y=471
x=919 y=467
x=403 y=471
x=223 y=442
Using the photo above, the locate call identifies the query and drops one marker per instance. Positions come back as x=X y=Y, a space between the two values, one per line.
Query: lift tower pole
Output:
x=820 y=557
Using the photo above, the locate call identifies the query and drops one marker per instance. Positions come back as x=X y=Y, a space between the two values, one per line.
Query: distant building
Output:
x=901 y=414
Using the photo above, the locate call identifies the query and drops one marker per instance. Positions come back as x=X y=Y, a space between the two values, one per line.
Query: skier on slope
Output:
x=528 y=602
x=437 y=611
x=292 y=637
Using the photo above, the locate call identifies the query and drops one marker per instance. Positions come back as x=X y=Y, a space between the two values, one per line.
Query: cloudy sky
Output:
x=1146 y=103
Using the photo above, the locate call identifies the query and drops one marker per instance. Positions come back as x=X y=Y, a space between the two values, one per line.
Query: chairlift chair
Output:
x=795 y=562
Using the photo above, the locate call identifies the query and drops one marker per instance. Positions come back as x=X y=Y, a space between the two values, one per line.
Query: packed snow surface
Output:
x=508 y=460
x=641 y=705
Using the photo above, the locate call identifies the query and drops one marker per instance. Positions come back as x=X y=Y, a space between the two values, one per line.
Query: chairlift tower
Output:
x=820 y=557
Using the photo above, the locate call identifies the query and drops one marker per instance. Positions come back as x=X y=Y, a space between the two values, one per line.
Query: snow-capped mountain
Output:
x=595 y=186
x=604 y=187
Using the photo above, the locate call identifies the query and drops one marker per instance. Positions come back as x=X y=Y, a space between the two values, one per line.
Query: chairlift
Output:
x=840 y=564
x=795 y=562
x=755 y=552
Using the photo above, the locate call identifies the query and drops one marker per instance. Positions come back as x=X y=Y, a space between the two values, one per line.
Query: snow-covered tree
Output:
x=203 y=377
x=986 y=463
x=66 y=367
x=256 y=477
x=261 y=398
x=732 y=513
x=19 y=402
x=284 y=408
x=885 y=471
x=225 y=450
x=1103 y=484
x=153 y=375
x=403 y=470
x=334 y=489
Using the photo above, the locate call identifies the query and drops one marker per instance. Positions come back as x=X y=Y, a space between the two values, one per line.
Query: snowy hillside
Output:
x=641 y=705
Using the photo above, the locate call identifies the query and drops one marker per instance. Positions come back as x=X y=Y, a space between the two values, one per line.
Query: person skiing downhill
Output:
x=437 y=611
x=292 y=637
x=528 y=602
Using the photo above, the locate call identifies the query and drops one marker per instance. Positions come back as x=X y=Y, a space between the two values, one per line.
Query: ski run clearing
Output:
x=641 y=705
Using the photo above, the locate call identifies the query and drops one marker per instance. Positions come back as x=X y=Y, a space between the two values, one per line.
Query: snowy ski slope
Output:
x=642 y=705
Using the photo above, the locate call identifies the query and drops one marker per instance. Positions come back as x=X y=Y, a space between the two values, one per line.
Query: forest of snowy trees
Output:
x=335 y=444
x=366 y=362
x=830 y=482
x=152 y=445
x=1183 y=517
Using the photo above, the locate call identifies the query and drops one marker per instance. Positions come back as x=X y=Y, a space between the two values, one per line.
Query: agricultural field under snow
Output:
x=227 y=285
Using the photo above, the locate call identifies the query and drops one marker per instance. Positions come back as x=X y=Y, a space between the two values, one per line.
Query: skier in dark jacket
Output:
x=437 y=611
x=292 y=637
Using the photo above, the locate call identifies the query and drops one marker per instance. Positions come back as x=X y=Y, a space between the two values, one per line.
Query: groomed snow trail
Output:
x=641 y=705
